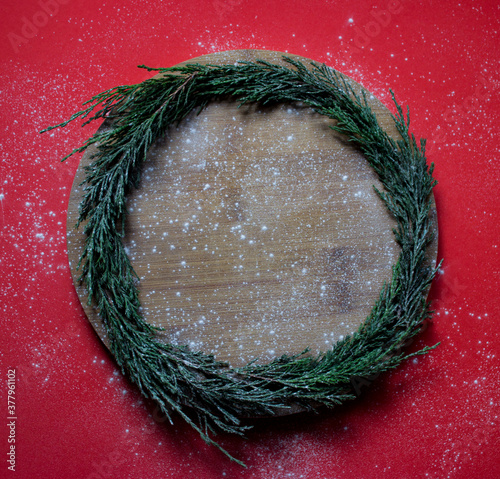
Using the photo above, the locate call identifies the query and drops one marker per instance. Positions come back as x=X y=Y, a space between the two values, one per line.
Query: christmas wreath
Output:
x=209 y=394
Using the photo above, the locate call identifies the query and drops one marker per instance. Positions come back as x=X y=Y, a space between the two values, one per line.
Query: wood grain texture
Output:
x=255 y=231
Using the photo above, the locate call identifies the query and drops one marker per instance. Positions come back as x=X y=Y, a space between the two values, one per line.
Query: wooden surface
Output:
x=255 y=231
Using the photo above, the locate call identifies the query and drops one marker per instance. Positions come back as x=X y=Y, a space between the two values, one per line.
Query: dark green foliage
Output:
x=184 y=381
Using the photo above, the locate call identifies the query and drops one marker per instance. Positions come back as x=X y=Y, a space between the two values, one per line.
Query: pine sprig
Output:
x=183 y=381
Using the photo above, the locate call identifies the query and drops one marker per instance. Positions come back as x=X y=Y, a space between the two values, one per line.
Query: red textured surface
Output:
x=76 y=416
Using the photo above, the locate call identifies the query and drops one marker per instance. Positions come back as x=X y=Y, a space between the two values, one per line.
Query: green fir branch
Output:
x=178 y=379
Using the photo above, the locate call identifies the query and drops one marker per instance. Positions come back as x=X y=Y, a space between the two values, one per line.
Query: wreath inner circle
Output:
x=263 y=235
x=182 y=380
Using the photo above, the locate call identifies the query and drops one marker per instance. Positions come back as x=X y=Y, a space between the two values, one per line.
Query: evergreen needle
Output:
x=184 y=381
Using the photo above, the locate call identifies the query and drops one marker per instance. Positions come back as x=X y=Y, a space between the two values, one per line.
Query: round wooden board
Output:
x=255 y=232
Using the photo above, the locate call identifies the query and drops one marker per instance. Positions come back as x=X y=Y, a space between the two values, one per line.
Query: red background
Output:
x=434 y=417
